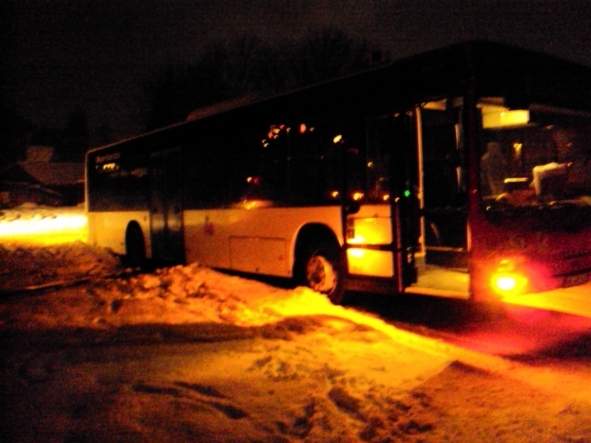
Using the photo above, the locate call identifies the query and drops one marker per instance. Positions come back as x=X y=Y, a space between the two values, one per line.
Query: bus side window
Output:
x=304 y=164
x=494 y=168
x=442 y=182
x=128 y=171
x=272 y=171
x=299 y=162
x=380 y=139
x=443 y=189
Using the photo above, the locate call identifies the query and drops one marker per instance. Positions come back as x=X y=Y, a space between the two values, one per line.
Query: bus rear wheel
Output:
x=324 y=272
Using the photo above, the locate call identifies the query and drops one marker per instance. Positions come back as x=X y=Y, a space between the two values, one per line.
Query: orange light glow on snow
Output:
x=46 y=230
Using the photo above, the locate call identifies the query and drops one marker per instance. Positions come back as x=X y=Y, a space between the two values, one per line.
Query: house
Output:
x=42 y=181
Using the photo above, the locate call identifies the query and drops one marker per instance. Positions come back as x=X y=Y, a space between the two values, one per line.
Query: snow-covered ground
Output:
x=189 y=354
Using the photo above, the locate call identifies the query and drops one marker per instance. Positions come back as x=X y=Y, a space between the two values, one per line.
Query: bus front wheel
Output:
x=323 y=272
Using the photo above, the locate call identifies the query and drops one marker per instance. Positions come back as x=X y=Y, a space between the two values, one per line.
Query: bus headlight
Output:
x=507 y=280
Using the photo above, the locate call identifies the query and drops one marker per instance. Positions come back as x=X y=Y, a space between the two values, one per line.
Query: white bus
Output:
x=418 y=177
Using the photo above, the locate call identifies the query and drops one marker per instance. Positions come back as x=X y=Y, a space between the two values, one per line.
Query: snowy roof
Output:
x=54 y=174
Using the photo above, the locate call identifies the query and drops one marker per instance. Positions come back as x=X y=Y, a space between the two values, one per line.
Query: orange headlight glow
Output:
x=51 y=229
x=507 y=280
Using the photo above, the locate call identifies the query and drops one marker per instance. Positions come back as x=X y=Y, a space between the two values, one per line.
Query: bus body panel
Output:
x=166 y=206
x=549 y=257
x=260 y=255
x=224 y=238
x=256 y=240
x=107 y=229
x=369 y=242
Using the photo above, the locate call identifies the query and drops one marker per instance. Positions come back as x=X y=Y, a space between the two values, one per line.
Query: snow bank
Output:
x=191 y=354
x=23 y=265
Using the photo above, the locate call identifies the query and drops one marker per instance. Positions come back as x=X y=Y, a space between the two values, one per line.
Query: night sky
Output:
x=95 y=54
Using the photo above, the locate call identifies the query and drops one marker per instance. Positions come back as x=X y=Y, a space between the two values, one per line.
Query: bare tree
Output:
x=223 y=71
x=326 y=54
x=246 y=66
x=74 y=138
x=14 y=131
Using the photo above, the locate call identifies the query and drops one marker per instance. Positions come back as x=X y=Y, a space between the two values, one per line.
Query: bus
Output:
x=461 y=172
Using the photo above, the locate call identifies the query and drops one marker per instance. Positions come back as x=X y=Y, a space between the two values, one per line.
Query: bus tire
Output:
x=135 y=247
x=322 y=270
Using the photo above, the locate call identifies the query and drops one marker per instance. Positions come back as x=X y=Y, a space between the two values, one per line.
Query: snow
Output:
x=190 y=354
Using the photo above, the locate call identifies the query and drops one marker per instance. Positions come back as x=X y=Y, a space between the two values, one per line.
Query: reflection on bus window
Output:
x=543 y=159
x=300 y=163
x=114 y=171
x=494 y=168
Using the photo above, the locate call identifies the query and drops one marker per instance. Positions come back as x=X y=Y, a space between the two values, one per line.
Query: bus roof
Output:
x=496 y=69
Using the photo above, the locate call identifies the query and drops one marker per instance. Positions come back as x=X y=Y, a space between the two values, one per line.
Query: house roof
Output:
x=53 y=174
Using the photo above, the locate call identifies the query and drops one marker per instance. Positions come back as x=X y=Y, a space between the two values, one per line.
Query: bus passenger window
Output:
x=444 y=196
x=442 y=163
x=542 y=159
x=380 y=139
x=494 y=168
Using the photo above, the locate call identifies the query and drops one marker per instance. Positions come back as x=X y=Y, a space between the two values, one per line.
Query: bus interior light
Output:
x=505 y=118
x=356 y=196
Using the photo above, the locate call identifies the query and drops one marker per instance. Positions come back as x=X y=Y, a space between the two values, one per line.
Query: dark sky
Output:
x=59 y=54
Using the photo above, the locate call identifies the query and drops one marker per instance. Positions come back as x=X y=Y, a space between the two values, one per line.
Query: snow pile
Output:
x=230 y=360
x=23 y=265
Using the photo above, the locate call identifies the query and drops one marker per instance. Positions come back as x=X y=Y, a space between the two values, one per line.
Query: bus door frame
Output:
x=405 y=198
x=166 y=205
x=403 y=208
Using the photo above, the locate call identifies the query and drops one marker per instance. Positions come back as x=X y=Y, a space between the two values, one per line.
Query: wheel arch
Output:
x=308 y=234
x=131 y=225
x=319 y=262
x=135 y=236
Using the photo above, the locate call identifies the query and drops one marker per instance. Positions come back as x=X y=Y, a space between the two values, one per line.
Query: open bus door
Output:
x=417 y=242
x=442 y=192
x=380 y=213
x=404 y=200
x=166 y=206
x=429 y=201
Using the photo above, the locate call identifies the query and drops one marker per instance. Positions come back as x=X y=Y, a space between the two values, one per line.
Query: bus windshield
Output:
x=534 y=157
